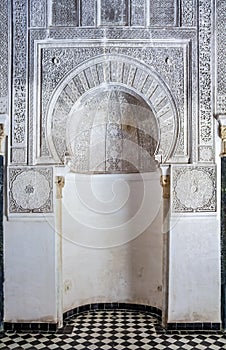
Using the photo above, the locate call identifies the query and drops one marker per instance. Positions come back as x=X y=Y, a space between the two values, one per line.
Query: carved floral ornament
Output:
x=30 y=190
x=194 y=188
x=131 y=109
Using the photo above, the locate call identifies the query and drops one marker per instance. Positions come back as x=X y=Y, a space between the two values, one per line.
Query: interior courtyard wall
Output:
x=175 y=41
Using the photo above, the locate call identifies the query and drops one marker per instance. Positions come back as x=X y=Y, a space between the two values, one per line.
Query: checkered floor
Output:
x=112 y=329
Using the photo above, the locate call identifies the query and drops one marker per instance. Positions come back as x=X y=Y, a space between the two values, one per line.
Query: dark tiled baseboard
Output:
x=113 y=306
x=194 y=326
x=30 y=327
x=53 y=327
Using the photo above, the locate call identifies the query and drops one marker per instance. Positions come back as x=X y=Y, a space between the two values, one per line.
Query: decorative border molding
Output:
x=4 y=53
x=19 y=80
x=220 y=9
x=205 y=75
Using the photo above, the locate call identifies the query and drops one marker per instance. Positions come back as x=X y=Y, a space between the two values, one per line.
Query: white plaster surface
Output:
x=30 y=284
x=112 y=241
x=194 y=271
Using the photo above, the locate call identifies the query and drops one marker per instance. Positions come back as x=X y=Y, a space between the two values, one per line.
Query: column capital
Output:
x=165 y=180
x=59 y=181
x=221 y=118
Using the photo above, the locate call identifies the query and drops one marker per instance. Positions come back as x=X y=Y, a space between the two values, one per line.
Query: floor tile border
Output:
x=171 y=328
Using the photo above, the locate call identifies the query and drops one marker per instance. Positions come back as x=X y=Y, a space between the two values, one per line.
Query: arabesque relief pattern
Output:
x=113 y=69
x=194 y=188
x=4 y=86
x=221 y=57
x=49 y=64
x=30 y=190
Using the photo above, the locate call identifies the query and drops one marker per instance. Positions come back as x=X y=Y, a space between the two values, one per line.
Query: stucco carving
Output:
x=113 y=13
x=194 y=188
x=30 y=190
x=221 y=56
x=162 y=13
x=4 y=56
x=113 y=69
x=171 y=53
x=87 y=18
x=38 y=15
x=65 y=13
x=112 y=130
x=205 y=81
x=138 y=13
x=188 y=13
x=88 y=15
x=19 y=106
x=122 y=12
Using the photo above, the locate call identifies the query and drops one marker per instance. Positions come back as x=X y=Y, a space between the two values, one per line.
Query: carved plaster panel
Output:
x=87 y=18
x=166 y=61
x=138 y=11
x=65 y=13
x=221 y=57
x=113 y=12
x=205 y=75
x=111 y=130
x=193 y=188
x=19 y=81
x=162 y=13
x=38 y=13
x=4 y=57
x=112 y=63
x=188 y=13
x=119 y=12
x=30 y=190
x=88 y=13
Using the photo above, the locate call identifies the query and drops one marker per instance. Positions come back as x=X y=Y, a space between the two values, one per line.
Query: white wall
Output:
x=114 y=254
x=112 y=241
x=194 y=271
x=29 y=270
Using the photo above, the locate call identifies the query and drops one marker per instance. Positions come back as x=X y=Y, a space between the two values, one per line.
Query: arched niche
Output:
x=110 y=130
x=107 y=73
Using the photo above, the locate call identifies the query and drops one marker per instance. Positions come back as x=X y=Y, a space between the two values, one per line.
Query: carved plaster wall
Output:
x=99 y=72
x=65 y=49
x=4 y=86
x=110 y=130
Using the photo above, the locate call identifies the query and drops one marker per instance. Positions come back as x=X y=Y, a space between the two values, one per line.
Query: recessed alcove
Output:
x=112 y=247
x=112 y=129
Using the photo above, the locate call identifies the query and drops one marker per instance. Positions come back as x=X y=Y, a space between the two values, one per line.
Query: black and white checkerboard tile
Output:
x=112 y=329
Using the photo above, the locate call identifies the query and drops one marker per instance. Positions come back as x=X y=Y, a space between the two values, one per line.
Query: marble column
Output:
x=165 y=182
x=221 y=118
x=59 y=181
